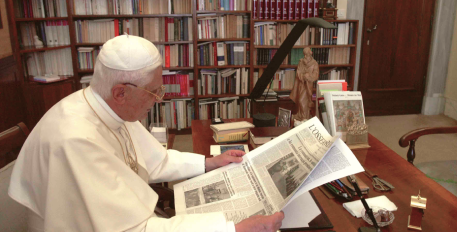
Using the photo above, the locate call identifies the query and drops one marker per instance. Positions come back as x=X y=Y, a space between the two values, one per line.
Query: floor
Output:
x=389 y=129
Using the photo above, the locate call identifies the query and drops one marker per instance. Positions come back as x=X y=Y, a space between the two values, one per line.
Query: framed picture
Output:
x=284 y=117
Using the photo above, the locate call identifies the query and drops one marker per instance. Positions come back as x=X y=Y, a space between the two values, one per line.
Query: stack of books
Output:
x=231 y=132
x=262 y=135
x=268 y=95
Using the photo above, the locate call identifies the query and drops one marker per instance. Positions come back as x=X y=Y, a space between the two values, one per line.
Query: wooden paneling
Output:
x=11 y=100
x=273 y=107
x=39 y=98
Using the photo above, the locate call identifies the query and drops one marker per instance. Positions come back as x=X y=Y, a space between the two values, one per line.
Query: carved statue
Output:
x=307 y=73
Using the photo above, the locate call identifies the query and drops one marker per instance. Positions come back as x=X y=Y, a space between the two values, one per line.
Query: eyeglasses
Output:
x=159 y=95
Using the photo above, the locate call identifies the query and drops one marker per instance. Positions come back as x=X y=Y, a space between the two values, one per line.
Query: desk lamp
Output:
x=266 y=119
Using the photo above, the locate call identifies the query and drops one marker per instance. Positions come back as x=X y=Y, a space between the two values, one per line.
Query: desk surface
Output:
x=441 y=212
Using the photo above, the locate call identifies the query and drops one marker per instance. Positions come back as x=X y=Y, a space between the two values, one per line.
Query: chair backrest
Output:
x=11 y=142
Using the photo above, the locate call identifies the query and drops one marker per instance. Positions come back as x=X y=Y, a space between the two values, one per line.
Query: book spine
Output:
x=266 y=14
x=232 y=137
x=285 y=9
x=273 y=9
x=254 y=11
x=291 y=9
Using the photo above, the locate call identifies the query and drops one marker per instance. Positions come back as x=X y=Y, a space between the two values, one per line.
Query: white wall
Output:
x=450 y=93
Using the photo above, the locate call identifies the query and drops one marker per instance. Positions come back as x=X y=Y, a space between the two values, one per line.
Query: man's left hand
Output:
x=230 y=156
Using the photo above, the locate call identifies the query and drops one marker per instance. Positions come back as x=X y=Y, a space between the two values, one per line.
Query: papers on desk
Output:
x=301 y=212
x=216 y=150
x=355 y=207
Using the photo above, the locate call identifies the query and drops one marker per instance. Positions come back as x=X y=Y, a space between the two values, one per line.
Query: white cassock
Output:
x=72 y=176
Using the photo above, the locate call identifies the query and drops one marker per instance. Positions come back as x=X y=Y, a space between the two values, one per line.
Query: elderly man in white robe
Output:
x=87 y=164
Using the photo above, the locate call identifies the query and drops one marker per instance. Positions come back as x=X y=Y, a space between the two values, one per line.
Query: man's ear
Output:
x=119 y=93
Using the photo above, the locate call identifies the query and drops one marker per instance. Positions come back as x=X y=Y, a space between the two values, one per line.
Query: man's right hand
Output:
x=261 y=223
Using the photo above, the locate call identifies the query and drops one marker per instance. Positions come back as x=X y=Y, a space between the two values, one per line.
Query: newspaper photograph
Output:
x=269 y=176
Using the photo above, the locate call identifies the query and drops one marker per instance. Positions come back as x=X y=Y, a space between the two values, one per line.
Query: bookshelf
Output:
x=71 y=83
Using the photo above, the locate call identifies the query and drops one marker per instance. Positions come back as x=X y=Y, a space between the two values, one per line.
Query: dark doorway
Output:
x=395 y=52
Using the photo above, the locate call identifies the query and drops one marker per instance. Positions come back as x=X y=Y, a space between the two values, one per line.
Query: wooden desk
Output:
x=441 y=212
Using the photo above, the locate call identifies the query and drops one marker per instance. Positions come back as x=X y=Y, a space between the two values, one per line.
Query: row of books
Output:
x=40 y=8
x=87 y=57
x=226 y=5
x=177 y=55
x=273 y=33
x=176 y=114
x=227 y=81
x=225 y=108
x=321 y=55
x=283 y=79
x=285 y=9
x=335 y=74
x=51 y=33
x=227 y=26
x=223 y=53
x=57 y=62
x=167 y=29
x=178 y=84
x=128 y=7
x=100 y=31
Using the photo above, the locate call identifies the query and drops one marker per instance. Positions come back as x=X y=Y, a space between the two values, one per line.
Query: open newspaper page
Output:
x=264 y=182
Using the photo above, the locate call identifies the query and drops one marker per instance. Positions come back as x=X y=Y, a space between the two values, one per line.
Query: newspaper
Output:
x=269 y=176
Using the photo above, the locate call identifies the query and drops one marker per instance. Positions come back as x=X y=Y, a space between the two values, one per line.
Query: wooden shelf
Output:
x=224 y=66
x=29 y=49
x=129 y=16
x=156 y=43
x=170 y=68
x=85 y=70
x=296 y=20
x=320 y=66
x=62 y=78
x=40 y=19
x=221 y=40
x=305 y=46
x=223 y=95
x=177 y=97
x=178 y=68
x=223 y=12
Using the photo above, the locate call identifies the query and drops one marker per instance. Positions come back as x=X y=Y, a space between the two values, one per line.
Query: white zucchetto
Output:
x=129 y=53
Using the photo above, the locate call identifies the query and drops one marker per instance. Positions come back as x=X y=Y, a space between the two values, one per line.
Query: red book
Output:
x=297 y=9
x=278 y=9
x=310 y=8
x=316 y=8
x=272 y=9
x=215 y=53
x=166 y=29
x=116 y=27
x=285 y=9
x=304 y=9
x=254 y=11
x=261 y=8
x=266 y=10
x=291 y=9
x=167 y=56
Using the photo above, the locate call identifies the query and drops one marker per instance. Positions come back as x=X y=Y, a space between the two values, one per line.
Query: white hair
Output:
x=105 y=78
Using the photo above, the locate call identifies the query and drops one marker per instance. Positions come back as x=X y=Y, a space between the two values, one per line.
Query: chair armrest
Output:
x=409 y=139
x=415 y=134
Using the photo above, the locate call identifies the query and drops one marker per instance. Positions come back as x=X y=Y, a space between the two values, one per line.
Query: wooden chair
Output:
x=443 y=172
x=11 y=142
x=166 y=203
x=14 y=215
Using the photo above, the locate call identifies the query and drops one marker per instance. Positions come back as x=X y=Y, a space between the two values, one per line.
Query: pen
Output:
x=336 y=186
x=343 y=187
